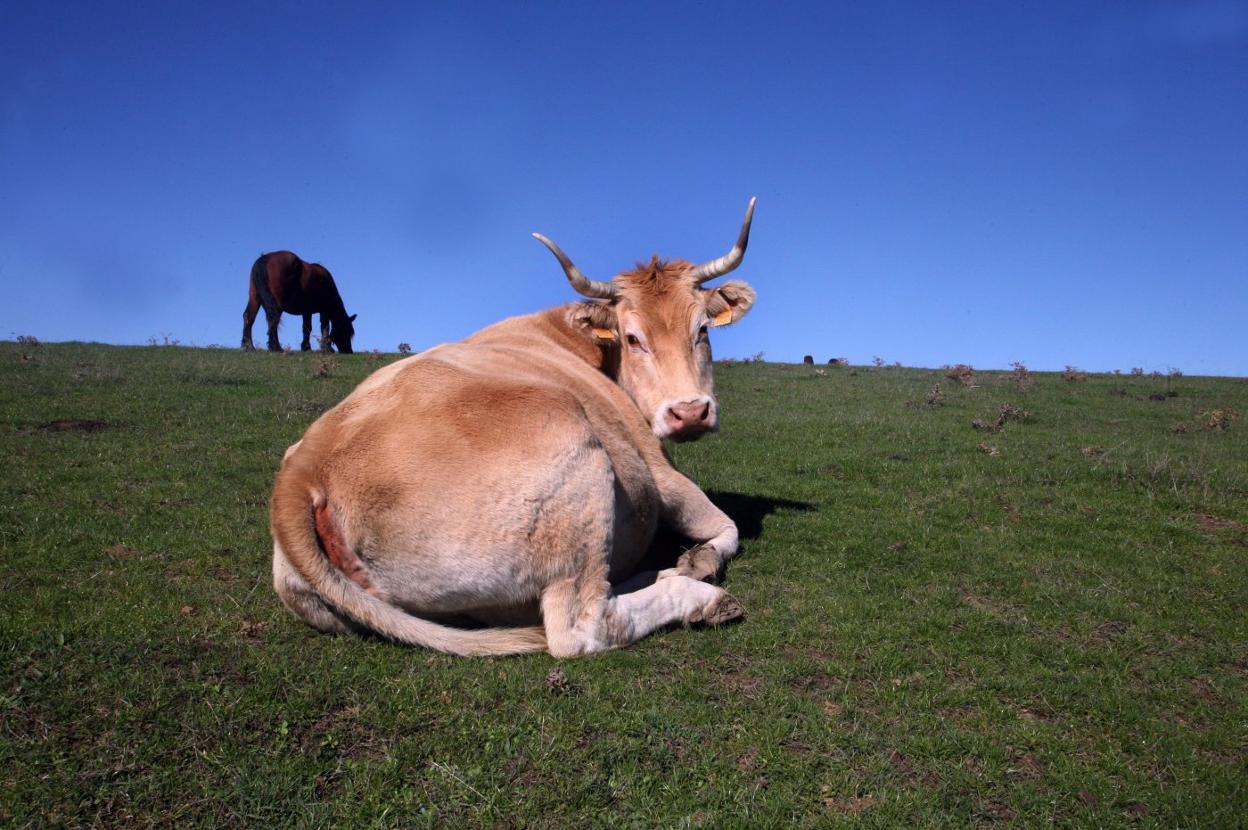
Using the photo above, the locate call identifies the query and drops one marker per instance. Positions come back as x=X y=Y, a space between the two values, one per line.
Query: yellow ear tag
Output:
x=603 y=334
x=723 y=318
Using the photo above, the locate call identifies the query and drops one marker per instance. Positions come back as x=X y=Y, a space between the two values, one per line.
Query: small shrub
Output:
x=27 y=340
x=877 y=361
x=1010 y=412
x=1021 y=376
x=325 y=369
x=1074 y=375
x=962 y=373
x=1219 y=419
x=1092 y=452
x=405 y=348
x=1136 y=372
x=935 y=397
x=991 y=452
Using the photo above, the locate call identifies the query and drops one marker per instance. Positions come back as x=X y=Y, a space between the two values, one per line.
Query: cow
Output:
x=516 y=478
x=281 y=281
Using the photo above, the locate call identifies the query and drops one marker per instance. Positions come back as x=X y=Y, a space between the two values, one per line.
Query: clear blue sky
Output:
x=1051 y=182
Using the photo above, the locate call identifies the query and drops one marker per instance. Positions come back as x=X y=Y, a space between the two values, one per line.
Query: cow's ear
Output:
x=351 y=319
x=729 y=302
x=595 y=319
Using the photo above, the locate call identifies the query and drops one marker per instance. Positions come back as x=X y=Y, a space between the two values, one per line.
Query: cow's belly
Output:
x=484 y=532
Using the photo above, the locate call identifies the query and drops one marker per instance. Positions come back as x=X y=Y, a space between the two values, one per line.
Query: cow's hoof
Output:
x=724 y=609
x=701 y=563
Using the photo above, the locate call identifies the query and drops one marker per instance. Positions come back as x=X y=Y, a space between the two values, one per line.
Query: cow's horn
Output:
x=583 y=285
x=729 y=261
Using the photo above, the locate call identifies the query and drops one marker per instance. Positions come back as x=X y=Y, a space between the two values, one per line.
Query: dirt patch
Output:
x=999 y=811
x=1203 y=689
x=988 y=605
x=851 y=806
x=1209 y=522
x=74 y=425
x=679 y=751
x=1026 y=765
x=339 y=733
x=1105 y=633
x=122 y=552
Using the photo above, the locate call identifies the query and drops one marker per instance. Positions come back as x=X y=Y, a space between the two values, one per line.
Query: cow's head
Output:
x=341 y=330
x=654 y=323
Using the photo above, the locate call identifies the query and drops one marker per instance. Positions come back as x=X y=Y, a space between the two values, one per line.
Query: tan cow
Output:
x=514 y=477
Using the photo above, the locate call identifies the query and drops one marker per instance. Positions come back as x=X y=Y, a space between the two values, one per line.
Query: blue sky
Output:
x=1054 y=183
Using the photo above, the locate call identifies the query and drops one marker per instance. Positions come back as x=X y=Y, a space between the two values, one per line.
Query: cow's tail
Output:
x=260 y=281
x=294 y=529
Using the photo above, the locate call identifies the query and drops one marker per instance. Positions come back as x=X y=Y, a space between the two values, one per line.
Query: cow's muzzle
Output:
x=687 y=420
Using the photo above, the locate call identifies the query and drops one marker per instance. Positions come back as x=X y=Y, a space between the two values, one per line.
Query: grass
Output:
x=1053 y=633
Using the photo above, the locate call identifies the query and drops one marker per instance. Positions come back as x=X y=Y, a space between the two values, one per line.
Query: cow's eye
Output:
x=633 y=342
x=702 y=333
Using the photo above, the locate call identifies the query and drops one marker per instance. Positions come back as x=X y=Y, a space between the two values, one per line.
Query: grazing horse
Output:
x=281 y=281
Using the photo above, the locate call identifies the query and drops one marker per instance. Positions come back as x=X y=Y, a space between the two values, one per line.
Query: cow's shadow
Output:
x=748 y=511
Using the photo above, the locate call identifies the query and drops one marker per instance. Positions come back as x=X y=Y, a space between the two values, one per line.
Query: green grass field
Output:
x=1045 y=624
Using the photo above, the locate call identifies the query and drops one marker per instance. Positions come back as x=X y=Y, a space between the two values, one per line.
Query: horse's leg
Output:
x=273 y=315
x=307 y=333
x=325 y=344
x=249 y=317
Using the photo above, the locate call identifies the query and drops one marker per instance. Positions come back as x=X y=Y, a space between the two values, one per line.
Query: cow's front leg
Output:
x=582 y=616
x=687 y=509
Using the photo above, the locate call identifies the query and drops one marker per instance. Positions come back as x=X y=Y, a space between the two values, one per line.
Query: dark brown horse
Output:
x=281 y=281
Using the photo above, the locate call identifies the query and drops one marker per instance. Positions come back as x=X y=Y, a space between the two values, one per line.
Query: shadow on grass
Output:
x=748 y=511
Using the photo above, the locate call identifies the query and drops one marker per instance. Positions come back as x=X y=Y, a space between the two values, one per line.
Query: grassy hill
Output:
x=1043 y=620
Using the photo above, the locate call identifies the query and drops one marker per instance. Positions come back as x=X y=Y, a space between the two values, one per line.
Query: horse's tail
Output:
x=260 y=281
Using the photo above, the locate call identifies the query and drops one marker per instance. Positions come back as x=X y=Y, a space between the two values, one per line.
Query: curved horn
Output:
x=582 y=284
x=729 y=261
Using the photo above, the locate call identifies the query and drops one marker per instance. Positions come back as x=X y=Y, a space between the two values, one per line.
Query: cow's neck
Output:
x=602 y=355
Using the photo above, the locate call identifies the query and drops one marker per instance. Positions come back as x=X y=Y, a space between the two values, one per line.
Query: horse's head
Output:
x=340 y=333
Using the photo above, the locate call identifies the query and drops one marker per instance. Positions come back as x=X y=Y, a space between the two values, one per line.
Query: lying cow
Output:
x=514 y=477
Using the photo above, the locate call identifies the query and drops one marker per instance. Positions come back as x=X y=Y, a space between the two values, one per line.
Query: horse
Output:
x=281 y=281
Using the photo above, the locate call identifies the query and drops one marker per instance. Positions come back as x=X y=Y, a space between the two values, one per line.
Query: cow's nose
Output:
x=688 y=416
